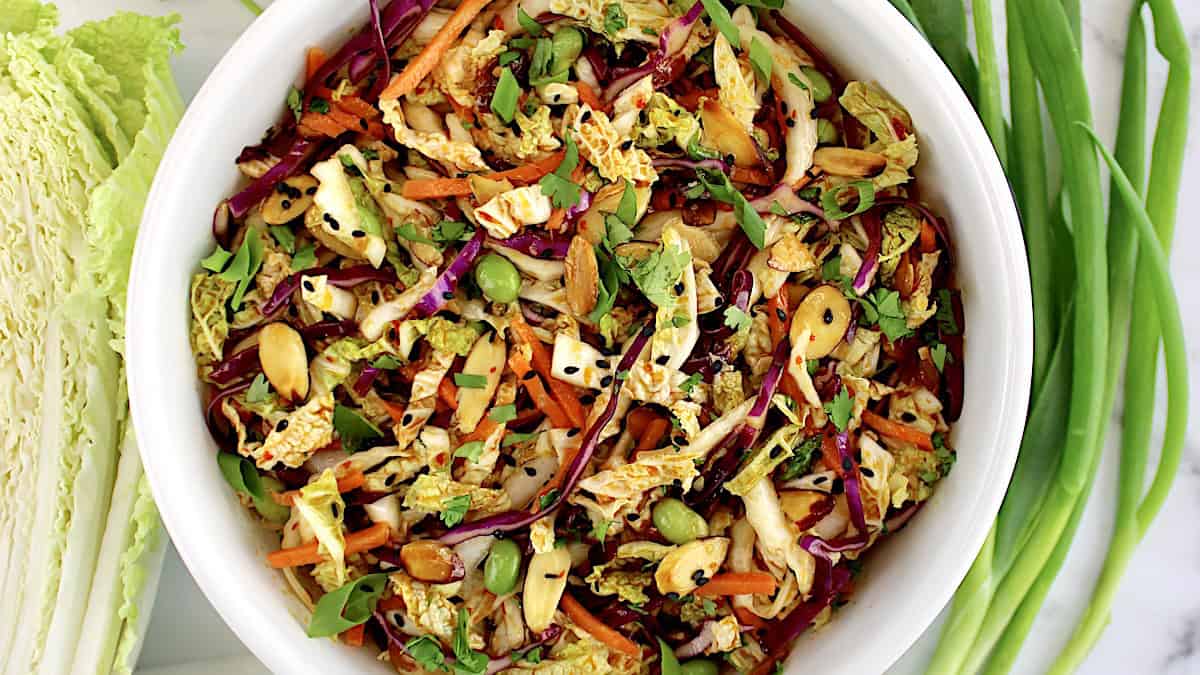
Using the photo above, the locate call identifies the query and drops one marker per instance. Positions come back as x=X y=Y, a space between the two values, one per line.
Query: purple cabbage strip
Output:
x=366 y=378
x=396 y=23
x=670 y=43
x=673 y=163
x=901 y=517
x=514 y=520
x=236 y=366
x=220 y=395
x=580 y=208
x=443 y=288
x=328 y=329
x=783 y=633
x=261 y=187
x=788 y=200
x=544 y=247
x=282 y=295
x=380 y=53
x=874 y=227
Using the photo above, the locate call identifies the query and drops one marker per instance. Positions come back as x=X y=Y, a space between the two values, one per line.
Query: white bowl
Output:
x=908 y=580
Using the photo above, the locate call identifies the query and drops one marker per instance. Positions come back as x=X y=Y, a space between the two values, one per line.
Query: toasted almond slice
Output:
x=582 y=273
x=726 y=134
x=284 y=361
x=432 y=561
x=289 y=200
x=849 y=162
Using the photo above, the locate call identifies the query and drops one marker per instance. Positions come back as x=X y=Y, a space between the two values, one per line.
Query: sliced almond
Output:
x=849 y=162
x=805 y=507
x=825 y=314
x=545 y=582
x=289 y=199
x=582 y=274
x=636 y=250
x=690 y=565
x=284 y=361
x=432 y=561
x=723 y=132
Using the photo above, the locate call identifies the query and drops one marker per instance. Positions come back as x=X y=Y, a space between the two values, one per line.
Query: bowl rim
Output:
x=263 y=638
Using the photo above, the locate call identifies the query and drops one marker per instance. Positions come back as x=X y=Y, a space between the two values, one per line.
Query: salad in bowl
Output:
x=571 y=336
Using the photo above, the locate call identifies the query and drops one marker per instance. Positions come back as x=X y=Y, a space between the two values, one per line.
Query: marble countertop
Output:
x=1156 y=618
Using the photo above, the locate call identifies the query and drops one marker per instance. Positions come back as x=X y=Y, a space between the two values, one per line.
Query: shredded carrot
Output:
x=750 y=176
x=558 y=218
x=902 y=432
x=637 y=421
x=691 y=99
x=394 y=411
x=527 y=416
x=482 y=430
x=928 y=237
x=448 y=393
x=597 y=628
x=738 y=583
x=563 y=392
x=537 y=391
x=655 y=430
x=437 y=188
x=778 y=315
x=322 y=124
x=358 y=107
x=346 y=483
x=354 y=636
x=313 y=61
x=748 y=618
x=423 y=63
x=588 y=96
x=309 y=554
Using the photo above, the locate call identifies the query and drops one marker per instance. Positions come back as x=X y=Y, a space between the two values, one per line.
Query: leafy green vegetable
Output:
x=527 y=22
x=939 y=354
x=354 y=430
x=882 y=307
x=737 y=319
x=244 y=267
x=513 y=439
x=451 y=231
x=669 y=664
x=558 y=186
x=657 y=274
x=283 y=235
x=722 y=190
x=690 y=383
x=760 y=60
x=468 y=381
x=305 y=258
x=469 y=661
x=802 y=458
x=831 y=199
x=840 y=409
x=259 y=389
x=614 y=18
x=427 y=652
x=721 y=19
x=386 y=362
x=241 y=474
x=319 y=105
x=503 y=413
x=348 y=606
x=470 y=451
x=216 y=260
x=547 y=499
x=455 y=509
x=294 y=102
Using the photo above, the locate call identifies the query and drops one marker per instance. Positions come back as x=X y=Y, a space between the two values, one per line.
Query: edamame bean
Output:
x=502 y=568
x=826 y=133
x=266 y=507
x=678 y=523
x=698 y=667
x=498 y=278
x=821 y=88
x=566 y=46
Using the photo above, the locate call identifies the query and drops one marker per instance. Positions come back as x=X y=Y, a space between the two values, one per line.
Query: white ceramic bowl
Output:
x=908 y=580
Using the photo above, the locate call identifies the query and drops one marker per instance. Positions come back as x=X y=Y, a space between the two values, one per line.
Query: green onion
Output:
x=906 y=9
x=990 y=104
x=724 y=23
x=945 y=24
x=468 y=381
x=831 y=199
x=504 y=99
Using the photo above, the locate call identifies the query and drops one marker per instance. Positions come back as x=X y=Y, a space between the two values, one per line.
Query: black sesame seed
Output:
x=573 y=432
x=627 y=144
x=530 y=471
x=362 y=124
x=697 y=575
x=776 y=452
x=662 y=360
x=679 y=288
x=390 y=480
x=374 y=297
x=839 y=486
x=281 y=188
x=311 y=191
x=587 y=399
x=648 y=329
x=545 y=254
x=548 y=575
x=587 y=115
x=632 y=517
x=287 y=204
x=603 y=363
x=283 y=424
x=866 y=471
x=827 y=317
x=571 y=370
x=448 y=295
x=333 y=224
x=508 y=460
x=908 y=417
x=820 y=479
x=790 y=122
x=679 y=440
x=406 y=420
x=783 y=107
x=780 y=314
x=730 y=159
x=718 y=365
x=607 y=380
x=677 y=482
x=529 y=375
x=387 y=187
x=308 y=286
x=358 y=234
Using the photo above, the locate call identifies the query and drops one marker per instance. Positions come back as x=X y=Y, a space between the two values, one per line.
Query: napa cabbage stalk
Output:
x=84 y=119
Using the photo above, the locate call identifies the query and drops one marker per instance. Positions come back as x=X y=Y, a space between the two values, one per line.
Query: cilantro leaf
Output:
x=241 y=475
x=353 y=429
x=319 y=105
x=513 y=439
x=722 y=190
x=452 y=231
x=427 y=652
x=547 y=499
x=690 y=383
x=939 y=354
x=529 y=656
x=882 y=307
x=386 y=362
x=305 y=258
x=802 y=458
x=627 y=208
x=259 y=389
x=737 y=319
x=294 y=102
x=409 y=231
x=468 y=661
x=945 y=313
x=244 y=267
x=455 y=509
x=840 y=408
x=657 y=274
x=600 y=529
x=284 y=236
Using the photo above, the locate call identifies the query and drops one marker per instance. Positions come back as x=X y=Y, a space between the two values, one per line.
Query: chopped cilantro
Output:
x=455 y=509
x=451 y=231
x=802 y=458
x=529 y=656
x=244 y=266
x=294 y=102
x=467 y=660
x=353 y=429
x=614 y=18
x=259 y=389
x=513 y=439
x=945 y=313
x=722 y=190
x=657 y=274
x=710 y=608
x=319 y=105
x=882 y=307
x=386 y=362
x=690 y=383
x=795 y=79
x=468 y=381
x=305 y=258
x=939 y=355
x=470 y=451
x=840 y=408
x=680 y=321
x=737 y=319
x=410 y=232
x=600 y=529
x=427 y=652
x=627 y=208
x=547 y=499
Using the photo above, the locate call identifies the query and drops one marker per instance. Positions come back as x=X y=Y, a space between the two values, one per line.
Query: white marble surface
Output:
x=1156 y=619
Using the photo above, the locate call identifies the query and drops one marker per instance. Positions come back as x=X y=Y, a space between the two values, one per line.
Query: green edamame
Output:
x=565 y=47
x=498 y=278
x=678 y=523
x=699 y=667
x=827 y=134
x=502 y=568
x=266 y=506
x=822 y=90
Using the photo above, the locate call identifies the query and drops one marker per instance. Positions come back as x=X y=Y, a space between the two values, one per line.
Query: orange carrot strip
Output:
x=655 y=430
x=537 y=391
x=778 y=315
x=750 y=176
x=557 y=218
x=563 y=392
x=928 y=237
x=358 y=107
x=347 y=120
x=597 y=628
x=748 y=618
x=637 y=421
x=354 y=636
x=325 y=124
x=346 y=483
x=482 y=430
x=448 y=393
x=308 y=554
x=436 y=188
x=588 y=96
x=898 y=430
x=423 y=63
x=313 y=61
x=738 y=583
